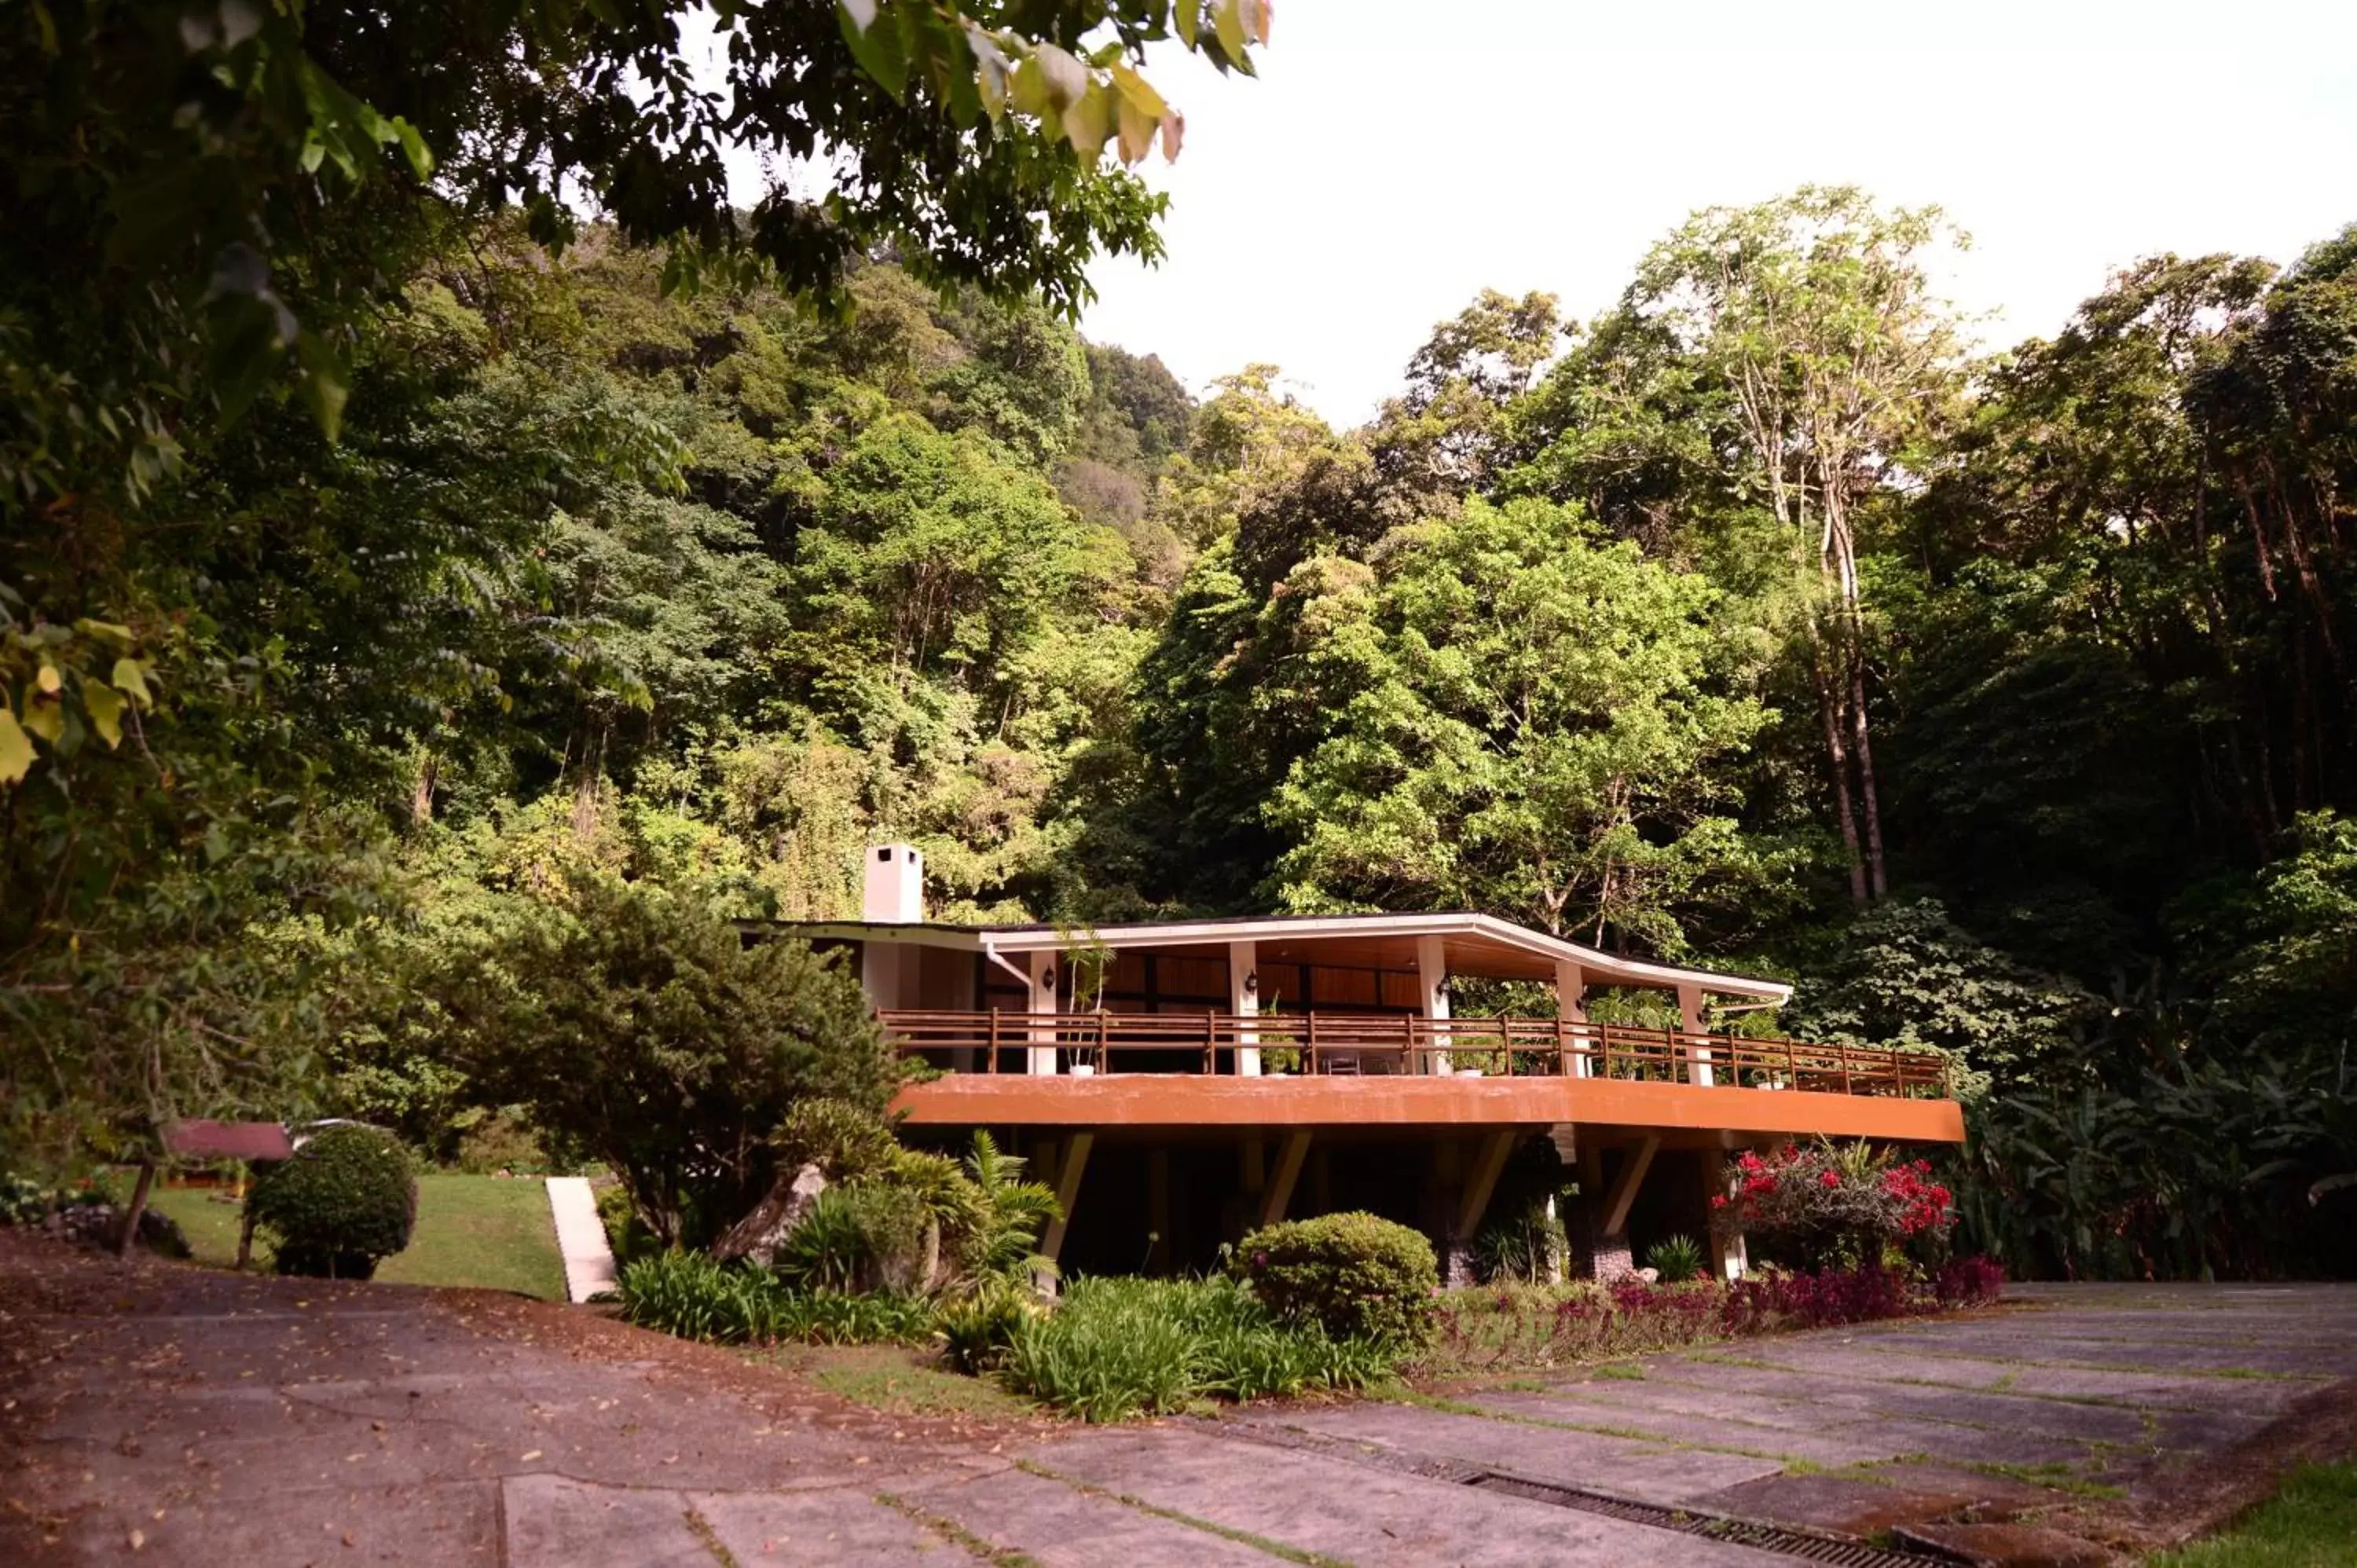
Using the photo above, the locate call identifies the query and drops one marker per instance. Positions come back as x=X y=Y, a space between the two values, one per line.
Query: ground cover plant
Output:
x=2310 y=1523
x=1116 y=1348
x=1511 y=1327
x=693 y=1296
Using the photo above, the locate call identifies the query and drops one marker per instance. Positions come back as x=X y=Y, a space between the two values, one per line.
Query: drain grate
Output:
x=1809 y=1546
x=1826 y=1548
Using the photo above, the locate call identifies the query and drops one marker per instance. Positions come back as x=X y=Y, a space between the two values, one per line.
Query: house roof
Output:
x=1471 y=944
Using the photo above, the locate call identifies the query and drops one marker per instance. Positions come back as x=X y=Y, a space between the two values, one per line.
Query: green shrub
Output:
x=1118 y=1347
x=502 y=1139
x=626 y=1233
x=854 y=1238
x=691 y=1296
x=345 y=1201
x=1108 y=1351
x=1677 y=1259
x=1526 y=1246
x=975 y=1329
x=1355 y=1275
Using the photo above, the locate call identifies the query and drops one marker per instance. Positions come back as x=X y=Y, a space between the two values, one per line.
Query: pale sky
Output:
x=1392 y=160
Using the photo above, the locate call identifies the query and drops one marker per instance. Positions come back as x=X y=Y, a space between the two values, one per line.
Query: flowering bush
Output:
x=1826 y=1204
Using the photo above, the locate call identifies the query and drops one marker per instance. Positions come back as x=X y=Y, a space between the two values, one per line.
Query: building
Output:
x=1180 y=1082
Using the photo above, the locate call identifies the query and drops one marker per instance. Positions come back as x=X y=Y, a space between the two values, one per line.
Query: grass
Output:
x=2054 y=1475
x=2312 y=1523
x=1118 y=1348
x=956 y=1534
x=489 y=1232
x=900 y=1382
x=209 y=1224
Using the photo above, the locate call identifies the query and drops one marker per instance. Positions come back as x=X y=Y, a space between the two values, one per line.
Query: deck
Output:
x=1002 y=1067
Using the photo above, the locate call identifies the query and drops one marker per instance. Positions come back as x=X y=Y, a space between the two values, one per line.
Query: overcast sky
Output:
x=1392 y=160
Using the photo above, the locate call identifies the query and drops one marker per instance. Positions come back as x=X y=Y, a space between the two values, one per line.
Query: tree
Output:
x=1814 y=312
x=634 y=1020
x=1521 y=719
x=1451 y=432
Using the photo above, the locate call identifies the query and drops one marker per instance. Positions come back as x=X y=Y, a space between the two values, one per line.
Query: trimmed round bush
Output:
x=345 y=1201
x=1356 y=1275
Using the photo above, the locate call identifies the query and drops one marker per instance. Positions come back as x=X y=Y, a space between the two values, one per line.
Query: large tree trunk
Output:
x=421 y=796
x=1837 y=759
x=1869 y=797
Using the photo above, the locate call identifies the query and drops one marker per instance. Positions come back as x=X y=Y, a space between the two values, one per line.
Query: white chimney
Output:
x=895 y=894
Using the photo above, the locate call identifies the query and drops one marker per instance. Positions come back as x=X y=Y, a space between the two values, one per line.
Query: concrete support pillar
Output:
x=1043 y=1002
x=1571 y=1005
x=1243 y=1002
x=1432 y=977
x=1694 y=1021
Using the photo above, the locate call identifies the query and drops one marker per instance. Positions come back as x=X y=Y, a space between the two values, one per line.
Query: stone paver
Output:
x=1314 y=1503
x=264 y=1422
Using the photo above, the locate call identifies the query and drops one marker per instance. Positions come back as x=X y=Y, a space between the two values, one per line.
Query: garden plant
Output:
x=345 y=1201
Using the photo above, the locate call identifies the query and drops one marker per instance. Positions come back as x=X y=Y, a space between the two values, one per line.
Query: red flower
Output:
x=1830 y=1179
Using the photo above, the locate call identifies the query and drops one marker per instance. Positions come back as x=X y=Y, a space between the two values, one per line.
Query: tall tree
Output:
x=1815 y=313
x=1521 y=718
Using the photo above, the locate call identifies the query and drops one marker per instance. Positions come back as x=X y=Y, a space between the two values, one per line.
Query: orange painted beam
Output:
x=1175 y=1100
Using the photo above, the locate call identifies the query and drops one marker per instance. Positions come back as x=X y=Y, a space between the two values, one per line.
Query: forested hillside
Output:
x=2004 y=701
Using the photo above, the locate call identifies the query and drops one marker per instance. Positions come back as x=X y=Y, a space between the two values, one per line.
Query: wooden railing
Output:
x=1371 y=1043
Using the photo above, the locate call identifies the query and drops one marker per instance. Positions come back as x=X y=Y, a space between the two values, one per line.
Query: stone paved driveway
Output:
x=163 y=1414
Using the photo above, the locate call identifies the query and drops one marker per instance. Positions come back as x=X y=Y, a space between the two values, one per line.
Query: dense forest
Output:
x=2003 y=701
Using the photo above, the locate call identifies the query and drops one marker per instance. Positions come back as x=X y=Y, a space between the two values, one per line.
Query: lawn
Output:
x=2312 y=1523
x=488 y=1231
x=896 y=1381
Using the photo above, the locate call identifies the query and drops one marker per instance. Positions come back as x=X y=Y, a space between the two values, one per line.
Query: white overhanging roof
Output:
x=1465 y=938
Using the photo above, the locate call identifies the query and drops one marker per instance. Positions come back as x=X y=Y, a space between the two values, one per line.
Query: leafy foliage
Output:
x=1113 y=1349
x=1840 y=1206
x=689 y=1295
x=458 y=560
x=639 y=1023
x=1677 y=1259
x=1355 y=1275
x=345 y=1201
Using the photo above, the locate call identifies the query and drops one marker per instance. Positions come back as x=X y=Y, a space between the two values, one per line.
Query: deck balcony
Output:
x=1319 y=1044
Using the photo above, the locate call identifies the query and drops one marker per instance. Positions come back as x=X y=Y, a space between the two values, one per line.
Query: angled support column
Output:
x=1281 y=1181
x=1482 y=1180
x=1624 y=1189
x=1067 y=1177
